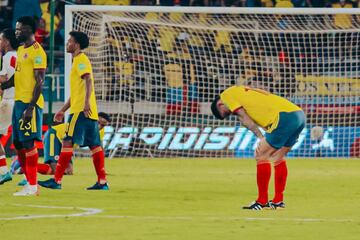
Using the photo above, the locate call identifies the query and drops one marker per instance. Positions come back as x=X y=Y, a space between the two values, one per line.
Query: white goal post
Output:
x=157 y=69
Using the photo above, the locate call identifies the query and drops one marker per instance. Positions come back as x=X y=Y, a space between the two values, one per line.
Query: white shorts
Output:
x=6 y=108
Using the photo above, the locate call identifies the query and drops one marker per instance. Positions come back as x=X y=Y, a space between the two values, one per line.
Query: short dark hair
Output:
x=28 y=21
x=9 y=34
x=214 y=108
x=81 y=38
x=105 y=116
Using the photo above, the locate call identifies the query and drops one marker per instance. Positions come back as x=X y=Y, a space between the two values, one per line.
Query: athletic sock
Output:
x=263 y=177
x=99 y=163
x=280 y=180
x=63 y=162
x=32 y=157
x=22 y=159
x=44 y=169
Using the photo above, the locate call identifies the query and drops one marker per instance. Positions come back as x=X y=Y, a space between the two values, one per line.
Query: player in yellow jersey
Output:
x=283 y=122
x=27 y=113
x=82 y=128
x=52 y=145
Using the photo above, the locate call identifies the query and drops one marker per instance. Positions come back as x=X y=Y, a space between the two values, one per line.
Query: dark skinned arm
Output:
x=88 y=89
x=247 y=122
x=39 y=78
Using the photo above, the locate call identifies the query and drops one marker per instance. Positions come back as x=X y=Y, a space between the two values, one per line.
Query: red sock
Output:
x=280 y=180
x=32 y=157
x=44 y=169
x=63 y=162
x=2 y=161
x=22 y=159
x=99 y=163
x=263 y=178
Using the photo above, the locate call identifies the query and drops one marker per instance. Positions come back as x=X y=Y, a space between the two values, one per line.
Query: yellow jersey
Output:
x=28 y=60
x=81 y=66
x=60 y=130
x=261 y=106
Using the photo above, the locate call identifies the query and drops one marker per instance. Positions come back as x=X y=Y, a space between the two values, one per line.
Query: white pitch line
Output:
x=86 y=212
x=189 y=218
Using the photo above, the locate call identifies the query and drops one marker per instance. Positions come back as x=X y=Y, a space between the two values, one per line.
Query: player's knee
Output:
x=28 y=144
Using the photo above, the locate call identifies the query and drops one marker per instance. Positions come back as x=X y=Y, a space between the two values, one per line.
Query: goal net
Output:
x=157 y=69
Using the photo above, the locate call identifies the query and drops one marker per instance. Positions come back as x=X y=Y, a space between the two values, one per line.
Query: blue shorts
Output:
x=52 y=147
x=30 y=131
x=82 y=131
x=288 y=130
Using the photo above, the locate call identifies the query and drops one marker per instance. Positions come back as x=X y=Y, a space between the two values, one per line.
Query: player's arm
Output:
x=247 y=122
x=39 y=78
x=8 y=84
x=88 y=89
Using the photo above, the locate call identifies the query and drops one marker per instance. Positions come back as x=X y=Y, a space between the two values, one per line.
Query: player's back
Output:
x=260 y=105
x=81 y=66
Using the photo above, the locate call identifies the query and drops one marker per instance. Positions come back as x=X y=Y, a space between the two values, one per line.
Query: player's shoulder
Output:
x=83 y=57
x=38 y=48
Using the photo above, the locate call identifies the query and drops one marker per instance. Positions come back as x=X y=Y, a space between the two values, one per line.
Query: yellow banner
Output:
x=327 y=86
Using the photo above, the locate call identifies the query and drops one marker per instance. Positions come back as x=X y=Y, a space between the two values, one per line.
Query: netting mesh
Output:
x=156 y=73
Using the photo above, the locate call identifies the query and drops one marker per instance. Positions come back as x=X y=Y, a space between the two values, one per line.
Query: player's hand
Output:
x=59 y=116
x=28 y=114
x=87 y=110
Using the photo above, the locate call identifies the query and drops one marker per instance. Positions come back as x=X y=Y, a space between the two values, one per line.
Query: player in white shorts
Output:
x=8 y=47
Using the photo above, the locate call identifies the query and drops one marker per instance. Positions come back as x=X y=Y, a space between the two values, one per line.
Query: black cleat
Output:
x=272 y=205
x=254 y=206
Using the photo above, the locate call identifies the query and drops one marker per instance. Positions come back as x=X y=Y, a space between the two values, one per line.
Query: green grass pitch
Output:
x=181 y=199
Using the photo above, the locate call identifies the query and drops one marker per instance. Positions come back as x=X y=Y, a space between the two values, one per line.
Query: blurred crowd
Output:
x=10 y=10
x=218 y=55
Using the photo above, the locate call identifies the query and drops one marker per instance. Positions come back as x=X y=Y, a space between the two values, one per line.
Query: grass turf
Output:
x=189 y=199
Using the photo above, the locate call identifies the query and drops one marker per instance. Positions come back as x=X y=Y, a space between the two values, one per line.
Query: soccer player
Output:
x=52 y=145
x=8 y=46
x=283 y=122
x=82 y=128
x=27 y=114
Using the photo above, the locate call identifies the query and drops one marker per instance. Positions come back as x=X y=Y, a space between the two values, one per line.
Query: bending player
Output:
x=82 y=127
x=8 y=46
x=283 y=122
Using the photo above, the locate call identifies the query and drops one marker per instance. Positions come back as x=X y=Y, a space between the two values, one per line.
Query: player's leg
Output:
x=280 y=177
x=28 y=133
x=5 y=175
x=6 y=107
x=290 y=131
x=92 y=139
x=263 y=173
x=74 y=135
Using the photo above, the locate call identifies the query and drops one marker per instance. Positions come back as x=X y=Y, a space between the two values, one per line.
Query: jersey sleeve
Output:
x=8 y=65
x=230 y=97
x=83 y=66
x=40 y=60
